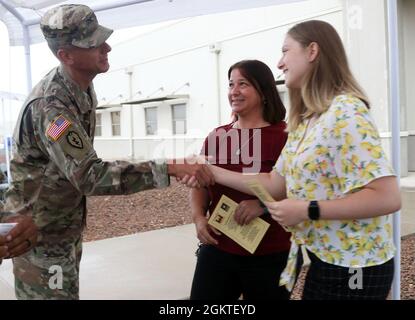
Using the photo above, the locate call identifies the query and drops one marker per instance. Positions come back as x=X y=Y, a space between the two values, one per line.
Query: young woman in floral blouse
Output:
x=338 y=187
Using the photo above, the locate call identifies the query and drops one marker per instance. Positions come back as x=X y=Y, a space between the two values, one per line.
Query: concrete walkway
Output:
x=156 y=264
x=149 y=265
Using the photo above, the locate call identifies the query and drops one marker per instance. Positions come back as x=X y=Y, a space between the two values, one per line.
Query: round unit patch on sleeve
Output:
x=58 y=127
x=74 y=140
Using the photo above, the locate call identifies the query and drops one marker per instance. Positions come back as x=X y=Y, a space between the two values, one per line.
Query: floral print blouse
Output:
x=341 y=153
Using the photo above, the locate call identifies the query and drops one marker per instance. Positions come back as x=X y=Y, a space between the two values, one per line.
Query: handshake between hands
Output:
x=192 y=171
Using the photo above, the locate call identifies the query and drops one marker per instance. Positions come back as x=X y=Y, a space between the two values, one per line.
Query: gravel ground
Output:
x=113 y=216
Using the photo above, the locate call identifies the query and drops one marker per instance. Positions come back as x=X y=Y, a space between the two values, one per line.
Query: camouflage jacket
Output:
x=54 y=165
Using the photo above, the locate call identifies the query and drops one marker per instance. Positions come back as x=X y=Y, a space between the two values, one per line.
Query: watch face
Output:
x=313 y=215
x=313 y=210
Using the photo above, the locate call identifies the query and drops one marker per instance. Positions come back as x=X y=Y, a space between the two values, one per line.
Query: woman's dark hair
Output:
x=261 y=77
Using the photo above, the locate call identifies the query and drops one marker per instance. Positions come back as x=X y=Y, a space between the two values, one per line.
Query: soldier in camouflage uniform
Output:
x=54 y=164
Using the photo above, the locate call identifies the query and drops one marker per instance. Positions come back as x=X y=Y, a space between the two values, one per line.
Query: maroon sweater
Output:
x=223 y=145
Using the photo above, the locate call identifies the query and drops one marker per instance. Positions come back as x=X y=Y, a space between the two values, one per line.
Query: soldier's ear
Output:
x=65 y=56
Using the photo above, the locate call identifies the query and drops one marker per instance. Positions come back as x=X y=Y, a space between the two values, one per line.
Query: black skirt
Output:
x=326 y=281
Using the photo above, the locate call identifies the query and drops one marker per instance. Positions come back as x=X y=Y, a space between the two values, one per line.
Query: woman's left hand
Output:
x=247 y=210
x=288 y=212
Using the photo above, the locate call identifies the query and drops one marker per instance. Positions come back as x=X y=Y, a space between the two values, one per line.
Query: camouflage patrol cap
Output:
x=73 y=24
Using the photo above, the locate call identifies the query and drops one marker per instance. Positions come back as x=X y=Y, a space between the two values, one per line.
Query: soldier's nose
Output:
x=106 y=47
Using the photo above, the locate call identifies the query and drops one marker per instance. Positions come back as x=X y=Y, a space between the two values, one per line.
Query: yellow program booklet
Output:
x=262 y=194
x=247 y=236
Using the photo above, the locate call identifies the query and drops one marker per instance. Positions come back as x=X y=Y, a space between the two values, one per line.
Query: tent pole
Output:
x=26 y=43
x=392 y=9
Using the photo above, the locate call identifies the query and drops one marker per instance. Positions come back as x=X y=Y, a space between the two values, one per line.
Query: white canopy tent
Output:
x=22 y=17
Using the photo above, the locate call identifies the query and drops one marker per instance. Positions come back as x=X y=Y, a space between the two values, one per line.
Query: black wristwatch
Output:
x=313 y=210
x=265 y=209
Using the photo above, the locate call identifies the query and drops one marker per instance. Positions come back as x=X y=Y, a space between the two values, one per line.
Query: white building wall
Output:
x=181 y=53
x=407 y=46
x=178 y=52
x=112 y=148
x=366 y=39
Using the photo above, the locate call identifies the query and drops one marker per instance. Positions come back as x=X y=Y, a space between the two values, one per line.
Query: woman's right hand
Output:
x=204 y=231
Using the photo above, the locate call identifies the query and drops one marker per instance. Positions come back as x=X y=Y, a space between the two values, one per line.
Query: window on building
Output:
x=116 y=123
x=98 y=125
x=179 y=118
x=151 y=120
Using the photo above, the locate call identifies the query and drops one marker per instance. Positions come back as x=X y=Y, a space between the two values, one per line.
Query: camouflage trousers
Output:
x=49 y=274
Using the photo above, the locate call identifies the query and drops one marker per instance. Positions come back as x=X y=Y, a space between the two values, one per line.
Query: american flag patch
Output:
x=58 y=127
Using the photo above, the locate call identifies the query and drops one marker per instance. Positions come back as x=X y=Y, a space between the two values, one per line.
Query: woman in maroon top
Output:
x=250 y=144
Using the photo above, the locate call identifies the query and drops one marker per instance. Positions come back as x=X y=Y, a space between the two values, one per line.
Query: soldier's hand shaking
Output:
x=22 y=237
x=192 y=171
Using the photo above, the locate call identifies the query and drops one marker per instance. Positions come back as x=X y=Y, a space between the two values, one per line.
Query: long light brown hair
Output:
x=329 y=76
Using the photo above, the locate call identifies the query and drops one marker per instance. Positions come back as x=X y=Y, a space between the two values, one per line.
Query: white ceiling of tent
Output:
x=115 y=14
